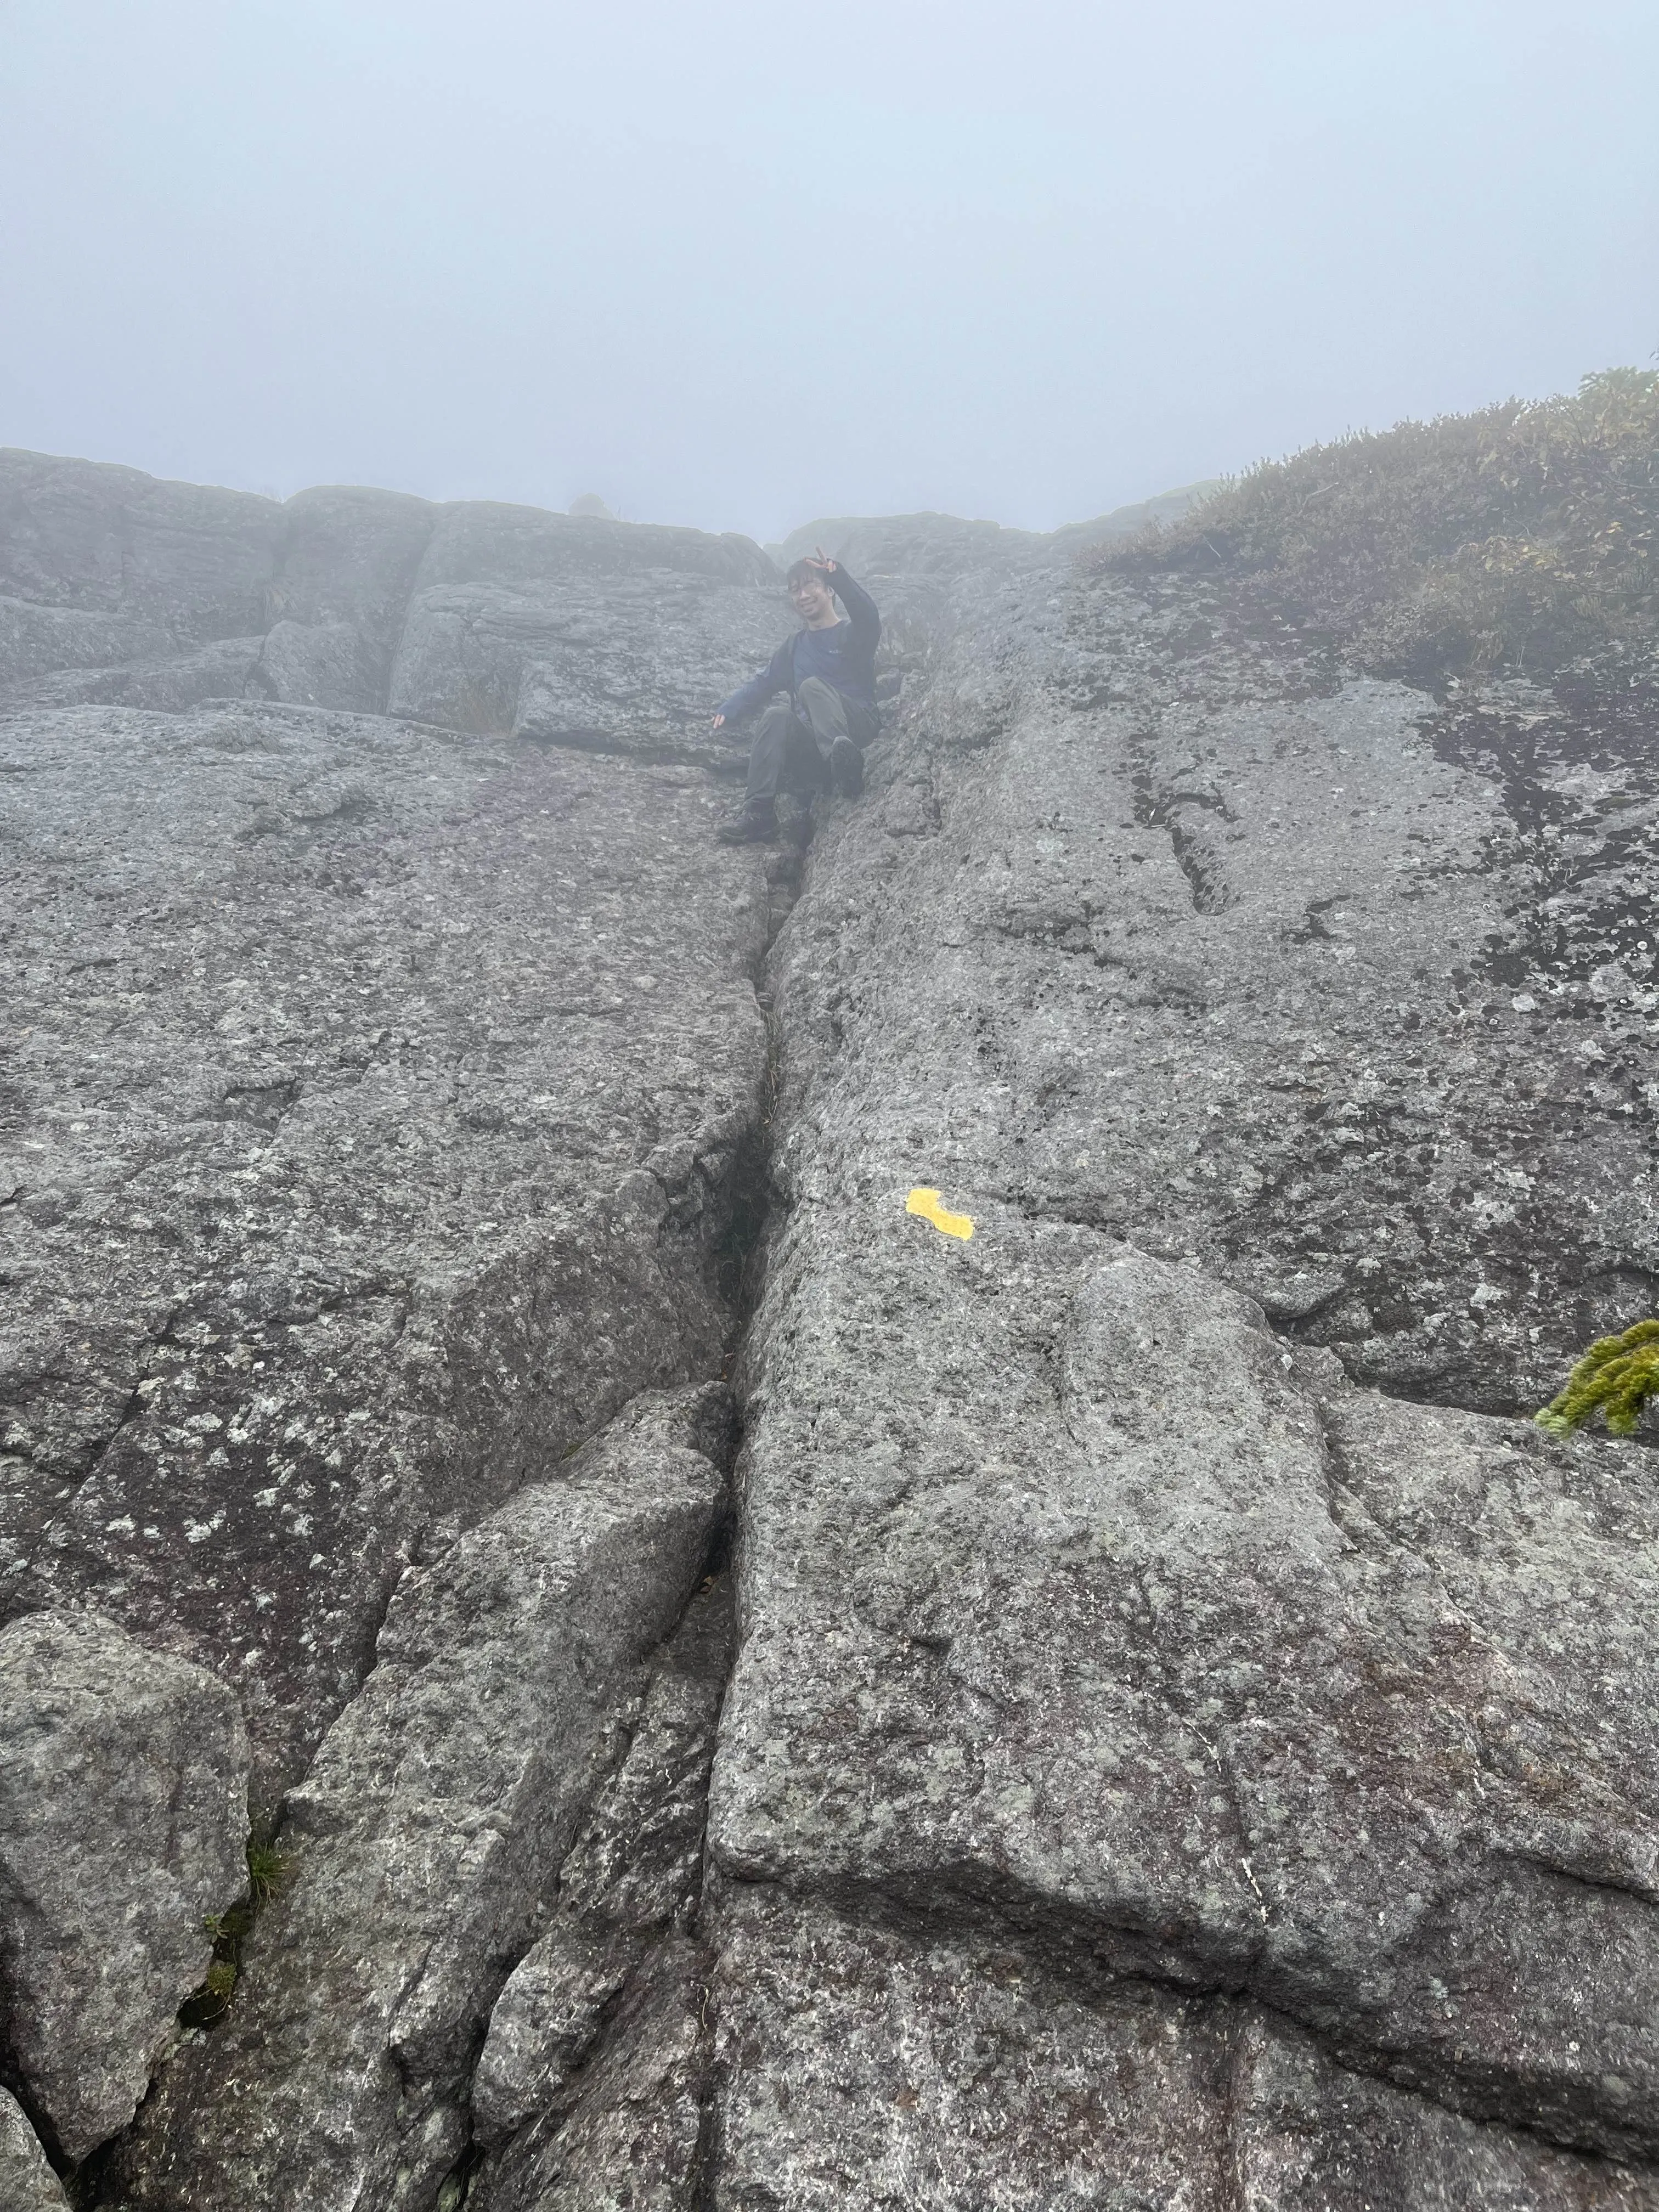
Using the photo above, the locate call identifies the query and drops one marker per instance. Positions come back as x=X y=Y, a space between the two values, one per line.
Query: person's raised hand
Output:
x=719 y=721
x=822 y=560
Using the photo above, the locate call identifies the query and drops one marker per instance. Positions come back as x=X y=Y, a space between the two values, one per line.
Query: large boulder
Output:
x=429 y=1832
x=195 y=560
x=123 y=1818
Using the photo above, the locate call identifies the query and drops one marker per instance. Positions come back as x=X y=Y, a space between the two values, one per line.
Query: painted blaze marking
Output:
x=926 y=1203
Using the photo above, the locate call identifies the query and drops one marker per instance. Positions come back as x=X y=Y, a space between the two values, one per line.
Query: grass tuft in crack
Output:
x=269 y=1869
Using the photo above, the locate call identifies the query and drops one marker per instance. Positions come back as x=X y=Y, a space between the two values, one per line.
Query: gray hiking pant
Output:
x=791 y=745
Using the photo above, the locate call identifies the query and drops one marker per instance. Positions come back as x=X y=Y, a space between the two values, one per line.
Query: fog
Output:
x=739 y=265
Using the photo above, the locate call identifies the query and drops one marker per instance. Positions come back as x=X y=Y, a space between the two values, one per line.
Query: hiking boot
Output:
x=847 y=767
x=754 y=825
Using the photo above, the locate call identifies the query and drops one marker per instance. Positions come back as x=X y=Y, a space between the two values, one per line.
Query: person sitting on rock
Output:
x=814 y=739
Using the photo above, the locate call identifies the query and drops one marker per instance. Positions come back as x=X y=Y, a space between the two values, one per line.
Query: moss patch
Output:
x=1617 y=1375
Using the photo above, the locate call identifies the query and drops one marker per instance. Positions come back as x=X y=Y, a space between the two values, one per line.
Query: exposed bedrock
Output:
x=1171 y=1733
x=123 y=1818
x=378 y=1106
x=866 y=2063
x=427 y=1836
x=120 y=590
x=1077 y=1601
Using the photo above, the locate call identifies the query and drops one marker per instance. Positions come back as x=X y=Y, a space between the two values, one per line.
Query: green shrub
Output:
x=1618 y=1374
x=1519 y=539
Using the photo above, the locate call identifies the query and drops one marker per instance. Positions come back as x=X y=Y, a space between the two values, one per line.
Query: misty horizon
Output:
x=1026 y=274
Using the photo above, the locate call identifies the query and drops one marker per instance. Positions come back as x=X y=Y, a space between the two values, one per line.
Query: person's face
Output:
x=809 y=597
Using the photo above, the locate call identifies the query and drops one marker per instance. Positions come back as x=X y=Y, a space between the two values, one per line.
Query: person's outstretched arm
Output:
x=863 y=617
x=749 y=698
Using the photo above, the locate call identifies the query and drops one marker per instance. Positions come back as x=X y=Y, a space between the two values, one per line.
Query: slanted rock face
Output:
x=123 y=1816
x=1082 y=1610
x=28 y=2183
x=375 y=1130
x=429 y=1832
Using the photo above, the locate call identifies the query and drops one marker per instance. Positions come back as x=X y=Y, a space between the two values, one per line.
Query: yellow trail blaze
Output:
x=926 y=1203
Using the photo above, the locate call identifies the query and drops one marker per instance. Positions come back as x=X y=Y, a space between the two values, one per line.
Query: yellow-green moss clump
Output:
x=1618 y=1374
x=1520 y=538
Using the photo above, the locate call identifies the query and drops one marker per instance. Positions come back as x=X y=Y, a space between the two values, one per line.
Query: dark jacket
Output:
x=844 y=655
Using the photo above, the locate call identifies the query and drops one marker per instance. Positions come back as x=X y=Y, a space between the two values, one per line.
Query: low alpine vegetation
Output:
x=1518 y=540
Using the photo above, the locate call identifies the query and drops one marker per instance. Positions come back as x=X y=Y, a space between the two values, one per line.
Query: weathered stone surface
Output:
x=864 y=2065
x=569 y=629
x=591 y=2083
x=1068 y=1589
x=350 y=556
x=1125 y=1646
x=314 y=664
x=1308 y=2134
x=28 y=2183
x=484 y=541
x=338 y=594
x=36 y=640
x=117 y=589
x=378 y=1109
x=1209 y=1012
x=88 y=535
x=172 y=684
x=430 y=1829
x=632 y=2139
x=636 y=667
x=123 y=1816
x=634 y=1875
x=1191 y=1744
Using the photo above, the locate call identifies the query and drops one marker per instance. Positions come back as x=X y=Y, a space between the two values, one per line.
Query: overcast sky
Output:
x=741 y=266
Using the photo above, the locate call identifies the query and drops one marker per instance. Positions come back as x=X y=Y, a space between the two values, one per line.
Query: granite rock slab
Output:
x=28 y=2183
x=378 y=1111
x=122 y=1819
x=427 y=1836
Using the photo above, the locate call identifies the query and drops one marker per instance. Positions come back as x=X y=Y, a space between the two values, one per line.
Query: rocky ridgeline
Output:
x=759 y=1702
